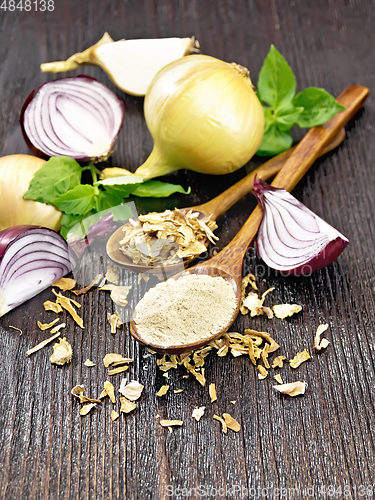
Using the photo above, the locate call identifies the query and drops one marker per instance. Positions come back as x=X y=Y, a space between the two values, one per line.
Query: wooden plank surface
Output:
x=313 y=446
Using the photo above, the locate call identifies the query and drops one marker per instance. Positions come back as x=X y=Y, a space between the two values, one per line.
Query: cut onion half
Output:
x=31 y=259
x=75 y=116
x=291 y=238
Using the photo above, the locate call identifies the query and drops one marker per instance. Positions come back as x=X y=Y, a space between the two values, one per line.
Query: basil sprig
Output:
x=283 y=108
x=58 y=183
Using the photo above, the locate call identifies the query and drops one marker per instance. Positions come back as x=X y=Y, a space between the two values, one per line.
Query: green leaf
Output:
x=286 y=116
x=68 y=221
x=121 y=186
x=158 y=189
x=276 y=84
x=57 y=176
x=83 y=222
x=274 y=141
x=123 y=212
x=78 y=200
x=318 y=107
x=106 y=200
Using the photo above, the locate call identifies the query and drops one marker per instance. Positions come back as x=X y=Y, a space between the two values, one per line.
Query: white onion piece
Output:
x=291 y=238
x=76 y=116
x=31 y=259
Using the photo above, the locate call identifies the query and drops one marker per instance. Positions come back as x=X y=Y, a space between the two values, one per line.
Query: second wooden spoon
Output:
x=229 y=262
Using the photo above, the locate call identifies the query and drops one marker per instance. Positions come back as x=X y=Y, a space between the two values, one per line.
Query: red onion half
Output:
x=291 y=238
x=76 y=116
x=31 y=259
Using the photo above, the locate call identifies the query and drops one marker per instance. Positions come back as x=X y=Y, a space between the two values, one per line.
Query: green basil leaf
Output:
x=286 y=116
x=57 y=176
x=78 y=200
x=158 y=189
x=319 y=107
x=69 y=220
x=276 y=83
x=107 y=200
x=123 y=185
x=274 y=141
x=123 y=212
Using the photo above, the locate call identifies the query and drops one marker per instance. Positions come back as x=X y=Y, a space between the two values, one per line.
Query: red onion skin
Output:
x=38 y=152
x=328 y=255
x=9 y=234
x=324 y=258
x=54 y=268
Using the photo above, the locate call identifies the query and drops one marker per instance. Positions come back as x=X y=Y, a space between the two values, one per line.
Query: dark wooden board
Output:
x=324 y=440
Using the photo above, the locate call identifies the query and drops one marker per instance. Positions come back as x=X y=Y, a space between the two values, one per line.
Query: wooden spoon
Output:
x=215 y=207
x=229 y=262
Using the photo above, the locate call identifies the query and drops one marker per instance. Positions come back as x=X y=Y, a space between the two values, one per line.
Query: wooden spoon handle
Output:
x=294 y=169
x=221 y=203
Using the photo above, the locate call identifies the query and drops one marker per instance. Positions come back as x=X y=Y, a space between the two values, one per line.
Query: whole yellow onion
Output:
x=203 y=115
x=16 y=172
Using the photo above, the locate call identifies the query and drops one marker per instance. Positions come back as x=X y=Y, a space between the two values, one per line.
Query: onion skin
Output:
x=23 y=275
x=291 y=238
x=64 y=149
x=16 y=173
x=203 y=115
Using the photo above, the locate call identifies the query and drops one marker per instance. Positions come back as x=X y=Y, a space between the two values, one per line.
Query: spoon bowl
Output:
x=228 y=262
x=215 y=207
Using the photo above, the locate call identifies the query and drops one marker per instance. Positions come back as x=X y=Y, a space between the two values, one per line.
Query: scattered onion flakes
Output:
x=120 y=369
x=45 y=326
x=85 y=409
x=52 y=306
x=115 y=321
x=254 y=304
x=212 y=392
x=278 y=362
x=114 y=415
x=62 y=353
x=112 y=275
x=78 y=391
x=321 y=344
x=110 y=390
x=115 y=359
x=278 y=378
x=231 y=423
x=94 y=282
x=57 y=328
x=89 y=363
x=282 y=311
x=162 y=391
x=42 y=344
x=262 y=372
x=223 y=424
x=292 y=389
x=126 y=405
x=66 y=303
x=170 y=423
x=132 y=390
x=15 y=328
x=178 y=391
x=65 y=284
x=119 y=295
x=198 y=413
x=299 y=359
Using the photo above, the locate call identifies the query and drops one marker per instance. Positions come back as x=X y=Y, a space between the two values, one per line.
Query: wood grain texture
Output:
x=325 y=438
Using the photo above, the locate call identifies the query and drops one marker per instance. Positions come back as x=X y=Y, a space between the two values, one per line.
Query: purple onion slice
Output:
x=76 y=116
x=31 y=259
x=291 y=238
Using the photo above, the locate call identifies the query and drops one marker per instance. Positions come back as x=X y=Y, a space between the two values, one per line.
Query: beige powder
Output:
x=183 y=311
